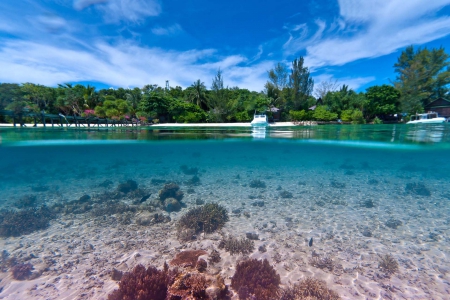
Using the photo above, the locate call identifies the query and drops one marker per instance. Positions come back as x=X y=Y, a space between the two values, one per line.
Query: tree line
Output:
x=423 y=75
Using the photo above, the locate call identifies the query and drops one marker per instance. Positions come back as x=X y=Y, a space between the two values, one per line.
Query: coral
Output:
x=187 y=258
x=206 y=218
x=417 y=188
x=311 y=289
x=258 y=203
x=256 y=279
x=195 y=180
x=322 y=262
x=337 y=184
x=170 y=190
x=199 y=201
x=388 y=264
x=188 y=171
x=84 y=198
x=393 y=223
x=22 y=271
x=201 y=265
x=26 y=201
x=188 y=286
x=142 y=284
x=257 y=184
x=128 y=186
x=214 y=257
x=15 y=223
x=286 y=194
x=368 y=203
x=172 y=204
x=116 y=274
x=105 y=183
x=236 y=246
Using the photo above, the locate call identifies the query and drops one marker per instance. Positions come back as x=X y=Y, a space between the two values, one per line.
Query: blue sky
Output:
x=129 y=43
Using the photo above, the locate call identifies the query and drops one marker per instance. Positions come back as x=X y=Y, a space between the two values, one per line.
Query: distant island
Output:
x=422 y=77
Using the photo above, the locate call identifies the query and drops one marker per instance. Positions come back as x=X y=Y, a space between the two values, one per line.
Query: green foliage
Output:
x=322 y=114
x=300 y=84
x=243 y=116
x=377 y=121
x=346 y=115
x=357 y=117
x=382 y=100
x=423 y=76
x=302 y=115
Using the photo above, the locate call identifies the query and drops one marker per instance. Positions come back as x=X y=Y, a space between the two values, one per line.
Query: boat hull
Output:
x=428 y=121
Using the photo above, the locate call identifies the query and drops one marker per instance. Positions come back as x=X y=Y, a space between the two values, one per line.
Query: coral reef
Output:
x=214 y=257
x=201 y=265
x=388 y=264
x=26 y=201
x=236 y=246
x=195 y=180
x=16 y=223
x=128 y=186
x=142 y=284
x=393 y=223
x=170 y=190
x=337 y=184
x=172 y=204
x=322 y=262
x=188 y=286
x=206 y=218
x=256 y=279
x=257 y=184
x=187 y=258
x=106 y=183
x=368 y=203
x=22 y=271
x=417 y=188
x=286 y=195
x=311 y=289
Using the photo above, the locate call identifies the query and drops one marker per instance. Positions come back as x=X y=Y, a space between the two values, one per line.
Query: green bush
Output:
x=322 y=114
x=357 y=117
x=243 y=116
x=346 y=115
x=377 y=121
x=297 y=115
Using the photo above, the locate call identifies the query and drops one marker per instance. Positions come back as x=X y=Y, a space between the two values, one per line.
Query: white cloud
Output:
x=171 y=30
x=118 y=10
x=372 y=28
x=123 y=65
x=353 y=82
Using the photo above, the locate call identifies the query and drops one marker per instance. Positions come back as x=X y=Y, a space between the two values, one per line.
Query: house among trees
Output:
x=441 y=106
x=318 y=102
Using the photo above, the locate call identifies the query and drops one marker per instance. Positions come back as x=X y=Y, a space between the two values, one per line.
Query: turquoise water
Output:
x=360 y=191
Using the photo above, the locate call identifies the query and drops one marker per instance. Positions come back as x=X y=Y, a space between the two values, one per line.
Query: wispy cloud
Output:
x=124 y=64
x=353 y=82
x=372 y=28
x=122 y=10
x=171 y=30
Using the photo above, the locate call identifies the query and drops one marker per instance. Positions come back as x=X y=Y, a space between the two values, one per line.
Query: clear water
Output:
x=332 y=174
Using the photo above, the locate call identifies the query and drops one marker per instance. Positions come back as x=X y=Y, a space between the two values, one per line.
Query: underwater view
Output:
x=325 y=212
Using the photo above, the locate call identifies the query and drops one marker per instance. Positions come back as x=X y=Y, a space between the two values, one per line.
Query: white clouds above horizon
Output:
x=169 y=31
x=122 y=10
x=382 y=28
x=123 y=65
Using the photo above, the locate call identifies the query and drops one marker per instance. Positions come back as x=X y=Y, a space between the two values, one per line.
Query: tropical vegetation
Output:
x=422 y=76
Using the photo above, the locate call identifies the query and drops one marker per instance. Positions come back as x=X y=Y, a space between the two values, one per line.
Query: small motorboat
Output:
x=259 y=120
x=428 y=118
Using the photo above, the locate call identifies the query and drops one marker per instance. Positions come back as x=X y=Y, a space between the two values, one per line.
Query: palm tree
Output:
x=198 y=94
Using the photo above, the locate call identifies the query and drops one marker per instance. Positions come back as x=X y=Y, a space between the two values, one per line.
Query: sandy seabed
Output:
x=76 y=254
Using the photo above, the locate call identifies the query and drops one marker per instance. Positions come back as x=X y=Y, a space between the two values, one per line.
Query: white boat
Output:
x=428 y=118
x=259 y=120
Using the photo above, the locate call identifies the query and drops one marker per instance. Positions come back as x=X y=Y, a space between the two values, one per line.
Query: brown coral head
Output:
x=256 y=279
x=22 y=271
x=311 y=288
x=187 y=258
x=388 y=264
x=201 y=265
x=188 y=286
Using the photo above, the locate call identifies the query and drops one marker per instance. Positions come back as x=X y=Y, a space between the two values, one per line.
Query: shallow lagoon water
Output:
x=360 y=192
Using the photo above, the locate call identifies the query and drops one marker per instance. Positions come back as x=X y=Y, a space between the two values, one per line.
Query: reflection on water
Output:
x=426 y=134
x=259 y=132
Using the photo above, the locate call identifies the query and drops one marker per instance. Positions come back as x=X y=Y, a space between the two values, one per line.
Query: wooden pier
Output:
x=61 y=120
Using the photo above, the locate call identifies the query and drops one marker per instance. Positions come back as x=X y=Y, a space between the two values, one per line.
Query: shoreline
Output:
x=248 y=125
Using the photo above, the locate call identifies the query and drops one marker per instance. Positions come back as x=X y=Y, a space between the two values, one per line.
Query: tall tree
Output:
x=197 y=94
x=218 y=100
x=300 y=84
x=422 y=76
x=276 y=86
x=382 y=100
